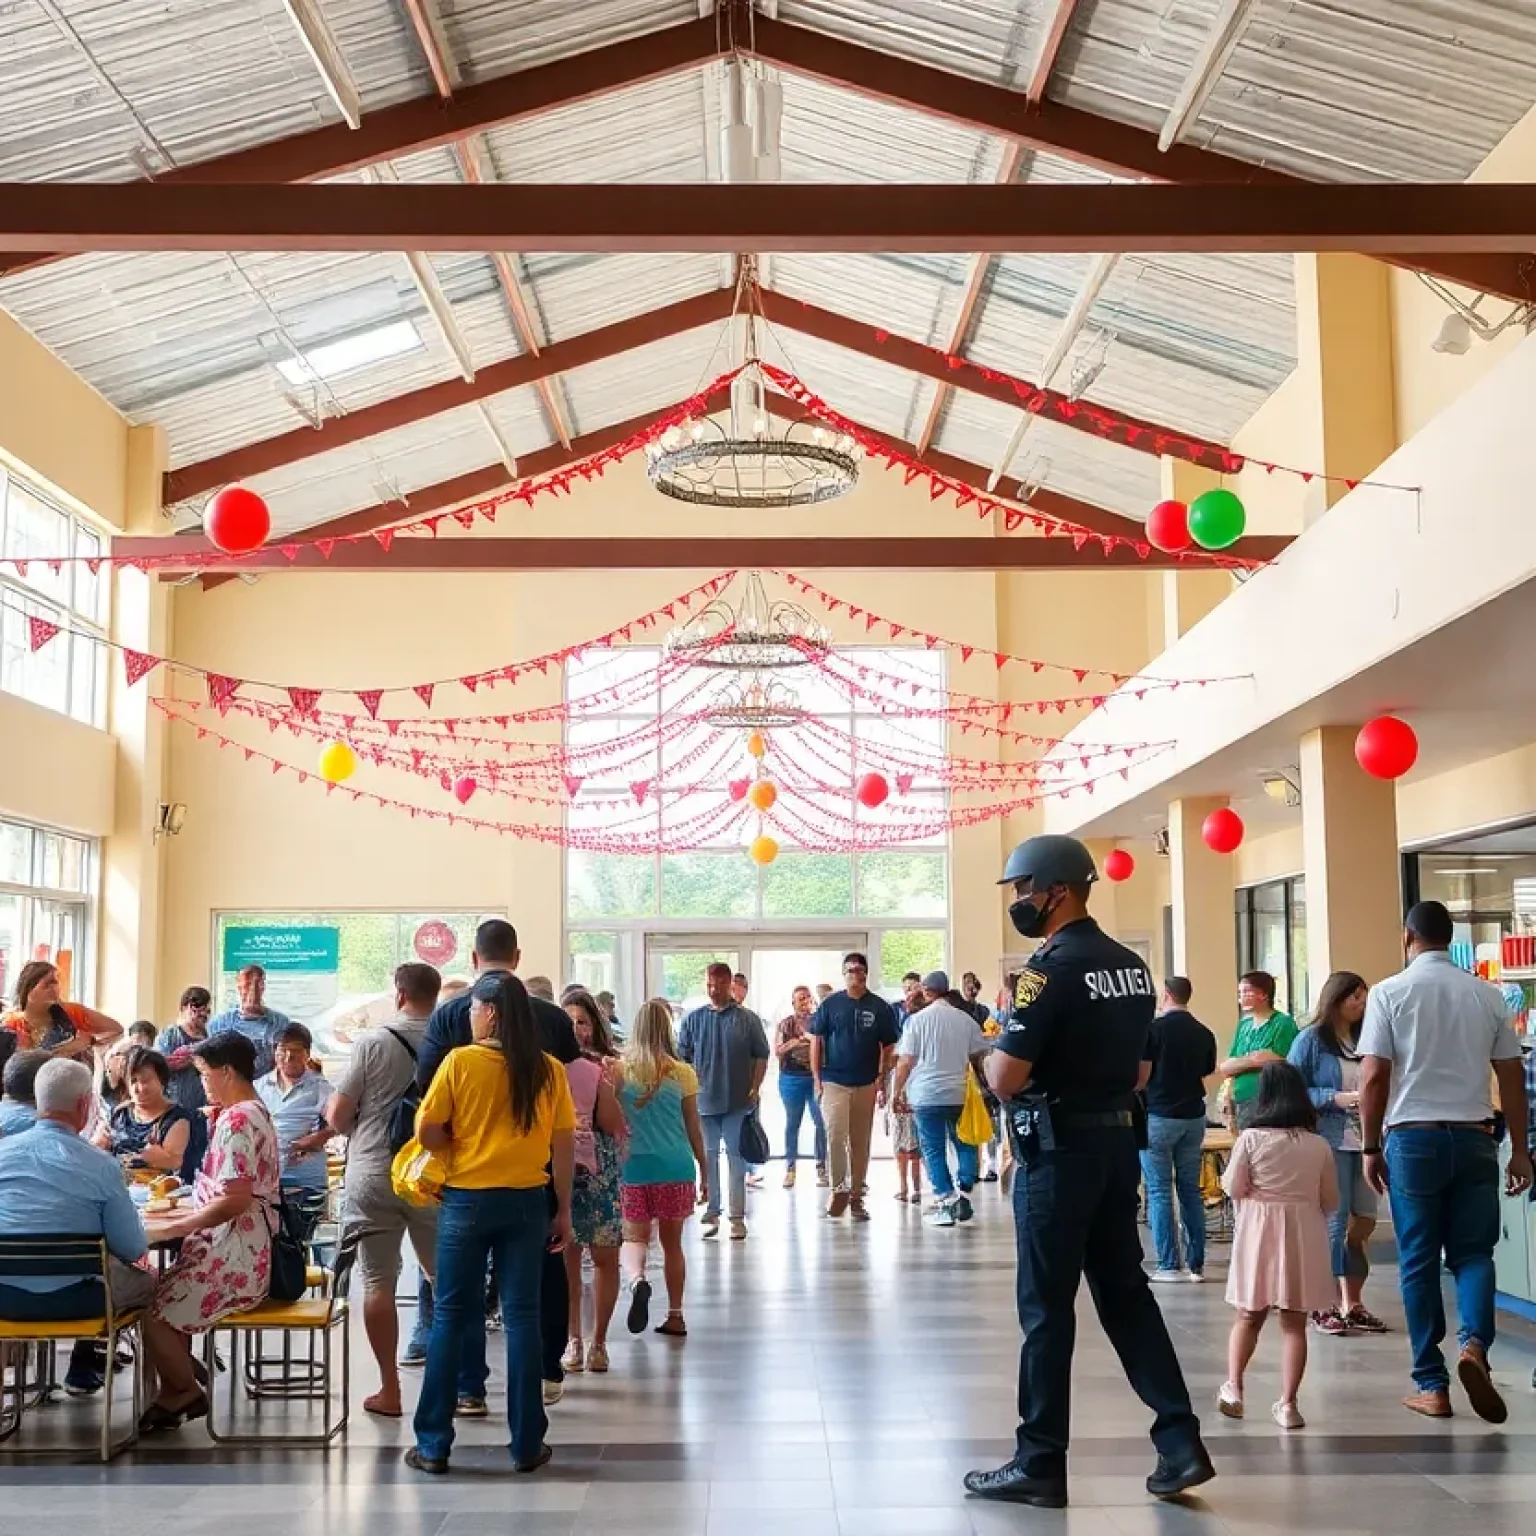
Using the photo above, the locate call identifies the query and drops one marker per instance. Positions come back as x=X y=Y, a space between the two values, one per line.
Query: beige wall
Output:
x=54 y=770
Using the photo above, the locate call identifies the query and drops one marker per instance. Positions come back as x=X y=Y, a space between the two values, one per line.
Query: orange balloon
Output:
x=762 y=795
x=763 y=850
x=757 y=745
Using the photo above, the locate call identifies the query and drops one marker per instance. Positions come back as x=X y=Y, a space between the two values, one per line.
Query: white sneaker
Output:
x=1230 y=1401
x=710 y=1226
x=553 y=1392
x=1167 y=1277
x=942 y=1216
x=1196 y=1277
x=1288 y=1416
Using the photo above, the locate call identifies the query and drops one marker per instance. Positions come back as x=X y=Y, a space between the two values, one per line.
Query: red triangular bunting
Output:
x=138 y=664
x=290 y=551
x=640 y=788
x=304 y=699
x=221 y=689
x=572 y=782
x=385 y=536
x=325 y=546
x=424 y=693
x=470 y=682
x=370 y=698
x=40 y=632
x=903 y=783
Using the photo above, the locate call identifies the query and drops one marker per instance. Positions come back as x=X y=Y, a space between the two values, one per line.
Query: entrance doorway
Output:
x=774 y=965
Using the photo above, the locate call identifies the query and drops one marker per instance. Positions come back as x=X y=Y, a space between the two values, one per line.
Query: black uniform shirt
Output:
x=1082 y=1014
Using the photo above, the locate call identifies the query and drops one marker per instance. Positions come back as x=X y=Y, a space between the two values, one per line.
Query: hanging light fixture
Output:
x=747 y=461
x=757 y=706
x=755 y=635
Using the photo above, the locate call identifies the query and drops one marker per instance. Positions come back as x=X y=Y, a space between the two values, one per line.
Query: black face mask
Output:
x=1028 y=916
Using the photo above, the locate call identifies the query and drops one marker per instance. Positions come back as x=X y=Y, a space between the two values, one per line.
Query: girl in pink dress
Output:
x=226 y=1250
x=1281 y=1178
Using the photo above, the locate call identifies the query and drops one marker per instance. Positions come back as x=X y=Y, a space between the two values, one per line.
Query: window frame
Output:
x=35 y=891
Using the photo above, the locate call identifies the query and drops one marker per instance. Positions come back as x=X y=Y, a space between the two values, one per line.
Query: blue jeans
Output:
x=727 y=1128
x=798 y=1091
x=1444 y=1187
x=936 y=1132
x=1171 y=1164
x=511 y=1225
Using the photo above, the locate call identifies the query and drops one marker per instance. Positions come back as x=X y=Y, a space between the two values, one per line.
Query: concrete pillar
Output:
x=1204 y=920
x=1344 y=357
x=1349 y=839
x=1187 y=596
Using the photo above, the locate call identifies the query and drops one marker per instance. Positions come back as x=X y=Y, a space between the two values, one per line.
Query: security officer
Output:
x=1067 y=1068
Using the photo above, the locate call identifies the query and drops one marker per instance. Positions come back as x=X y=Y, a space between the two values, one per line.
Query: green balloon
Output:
x=1217 y=519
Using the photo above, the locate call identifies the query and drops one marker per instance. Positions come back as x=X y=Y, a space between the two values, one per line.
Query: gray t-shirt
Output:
x=1441 y=1028
x=721 y=1047
x=940 y=1039
x=378 y=1072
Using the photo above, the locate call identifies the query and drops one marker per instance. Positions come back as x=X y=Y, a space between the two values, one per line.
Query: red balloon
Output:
x=236 y=520
x=1386 y=747
x=872 y=790
x=739 y=788
x=1168 y=527
x=463 y=789
x=1119 y=865
x=1222 y=831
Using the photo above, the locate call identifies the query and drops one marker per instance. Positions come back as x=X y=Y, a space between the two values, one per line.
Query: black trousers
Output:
x=1075 y=1212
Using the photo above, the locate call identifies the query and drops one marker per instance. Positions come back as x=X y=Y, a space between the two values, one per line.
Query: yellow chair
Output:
x=79 y=1258
x=314 y=1319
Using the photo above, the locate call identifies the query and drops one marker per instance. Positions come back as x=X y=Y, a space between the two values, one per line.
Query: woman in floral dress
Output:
x=226 y=1253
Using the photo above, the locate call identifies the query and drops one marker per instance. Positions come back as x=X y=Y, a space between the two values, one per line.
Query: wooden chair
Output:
x=314 y=1319
x=78 y=1258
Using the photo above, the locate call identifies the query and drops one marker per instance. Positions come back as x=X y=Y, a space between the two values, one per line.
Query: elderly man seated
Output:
x=54 y=1183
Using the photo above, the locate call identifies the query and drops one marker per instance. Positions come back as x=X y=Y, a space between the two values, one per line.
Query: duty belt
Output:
x=1075 y=1122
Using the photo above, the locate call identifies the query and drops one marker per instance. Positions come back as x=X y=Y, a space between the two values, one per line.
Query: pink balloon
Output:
x=463 y=789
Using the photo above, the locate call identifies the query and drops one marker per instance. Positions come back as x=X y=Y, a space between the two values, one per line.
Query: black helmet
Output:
x=1050 y=860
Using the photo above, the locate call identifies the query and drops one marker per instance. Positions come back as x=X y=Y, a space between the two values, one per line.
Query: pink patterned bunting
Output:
x=138 y=664
x=572 y=782
x=222 y=689
x=424 y=692
x=40 y=632
x=304 y=699
x=370 y=698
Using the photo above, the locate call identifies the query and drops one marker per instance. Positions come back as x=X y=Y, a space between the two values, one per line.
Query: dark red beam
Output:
x=1119 y=148
x=1127 y=216
x=431 y=400
x=901 y=352
x=425 y=122
x=979 y=553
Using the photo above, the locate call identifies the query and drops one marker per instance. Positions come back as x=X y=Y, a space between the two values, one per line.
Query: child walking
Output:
x=1282 y=1180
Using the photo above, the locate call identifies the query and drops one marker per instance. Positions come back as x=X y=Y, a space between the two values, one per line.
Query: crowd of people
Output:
x=571 y=1148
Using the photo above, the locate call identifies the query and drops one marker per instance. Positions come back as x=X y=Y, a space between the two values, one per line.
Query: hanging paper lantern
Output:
x=1168 y=527
x=463 y=789
x=1119 y=865
x=763 y=850
x=1222 y=831
x=1217 y=519
x=338 y=762
x=1386 y=747
x=872 y=789
x=757 y=744
x=762 y=795
x=236 y=520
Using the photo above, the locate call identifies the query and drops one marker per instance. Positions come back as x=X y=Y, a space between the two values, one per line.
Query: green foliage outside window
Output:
x=909 y=949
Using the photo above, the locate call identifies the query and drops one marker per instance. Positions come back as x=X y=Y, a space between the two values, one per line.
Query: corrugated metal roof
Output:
x=491 y=37
x=1413 y=90
x=1075 y=463
x=578 y=292
x=914 y=296
x=397 y=463
x=647 y=380
x=203 y=77
x=866 y=390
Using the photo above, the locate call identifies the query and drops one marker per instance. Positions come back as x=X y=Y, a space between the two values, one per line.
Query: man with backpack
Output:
x=374 y=1106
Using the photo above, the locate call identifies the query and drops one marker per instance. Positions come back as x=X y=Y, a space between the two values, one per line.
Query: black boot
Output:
x=1177 y=1474
x=1016 y=1486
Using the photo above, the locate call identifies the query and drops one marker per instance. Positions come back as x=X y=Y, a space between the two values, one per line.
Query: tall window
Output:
x=1272 y=936
x=47 y=884
x=69 y=673
x=899 y=895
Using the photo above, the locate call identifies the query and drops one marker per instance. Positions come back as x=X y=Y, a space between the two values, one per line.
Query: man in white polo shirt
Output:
x=1433 y=1039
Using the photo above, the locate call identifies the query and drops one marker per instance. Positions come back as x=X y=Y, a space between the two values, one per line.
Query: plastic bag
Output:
x=418 y=1175
x=975 y=1128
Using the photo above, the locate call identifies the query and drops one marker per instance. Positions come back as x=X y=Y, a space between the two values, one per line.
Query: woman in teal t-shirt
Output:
x=660 y=1098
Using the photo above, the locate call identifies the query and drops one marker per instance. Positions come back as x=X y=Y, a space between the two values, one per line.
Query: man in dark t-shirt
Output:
x=1183 y=1054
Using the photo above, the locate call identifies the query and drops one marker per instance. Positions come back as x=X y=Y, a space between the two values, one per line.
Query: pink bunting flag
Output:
x=903 y=783
x=572 y=782
x=424 y=692
x=640 y=788
x=304 y=700
x=40 y=632
x=222 y=689
x=325 y=546
x=138 y=664
x=370 y=698
x=470 y=682
x=385 y=536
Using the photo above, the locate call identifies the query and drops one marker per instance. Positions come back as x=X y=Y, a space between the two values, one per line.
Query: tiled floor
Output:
x=838 y=1381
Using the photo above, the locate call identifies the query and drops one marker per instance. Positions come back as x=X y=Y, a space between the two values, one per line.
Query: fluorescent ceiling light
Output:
x=333 y=358
x=1460 y=872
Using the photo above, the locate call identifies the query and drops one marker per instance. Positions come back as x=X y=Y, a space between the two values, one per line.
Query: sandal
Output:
x=674 y=1327
x=374 y=1405
x=597 y=1358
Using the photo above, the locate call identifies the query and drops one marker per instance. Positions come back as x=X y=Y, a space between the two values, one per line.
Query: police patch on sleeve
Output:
x=1030 y=985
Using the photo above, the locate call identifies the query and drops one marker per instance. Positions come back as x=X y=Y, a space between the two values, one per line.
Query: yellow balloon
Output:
x=756 y=744
x=762 y=795
x=763 y=850
x=338 y=762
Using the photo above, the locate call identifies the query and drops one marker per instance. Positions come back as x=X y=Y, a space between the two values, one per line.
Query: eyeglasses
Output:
x=855 y=970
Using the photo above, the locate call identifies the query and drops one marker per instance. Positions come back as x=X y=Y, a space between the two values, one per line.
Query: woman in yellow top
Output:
x=499 y=1114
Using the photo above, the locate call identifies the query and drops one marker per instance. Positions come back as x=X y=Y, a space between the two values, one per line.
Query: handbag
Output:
x=290 y=1259
x=975 y=1127
x=417 y=1175
x=754 y=1146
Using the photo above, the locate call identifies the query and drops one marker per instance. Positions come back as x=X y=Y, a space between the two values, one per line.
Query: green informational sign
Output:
x=280 y=948
x=303 y=965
